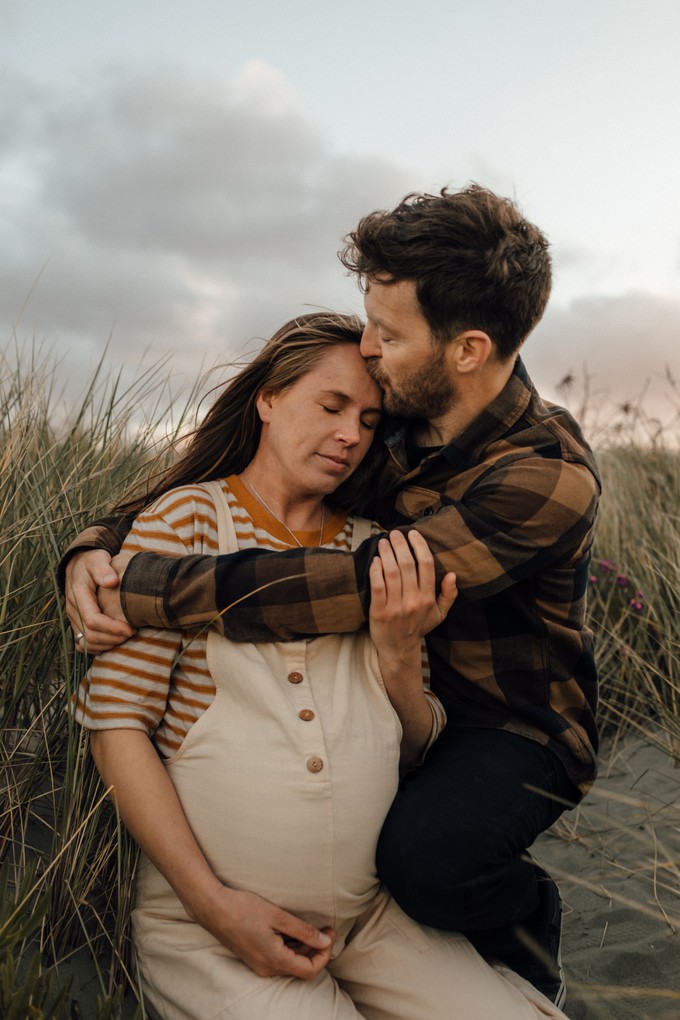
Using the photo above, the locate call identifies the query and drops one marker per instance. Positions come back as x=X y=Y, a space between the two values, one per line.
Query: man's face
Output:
x=402 y=356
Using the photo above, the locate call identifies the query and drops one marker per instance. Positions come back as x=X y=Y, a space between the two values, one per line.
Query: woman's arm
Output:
x=404 y=607
x=269 y=940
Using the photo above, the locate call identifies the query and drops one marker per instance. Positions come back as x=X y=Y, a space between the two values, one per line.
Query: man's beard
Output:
x=427 y=393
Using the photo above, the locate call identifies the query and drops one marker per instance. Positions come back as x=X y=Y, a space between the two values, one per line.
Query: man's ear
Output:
x=471 y=350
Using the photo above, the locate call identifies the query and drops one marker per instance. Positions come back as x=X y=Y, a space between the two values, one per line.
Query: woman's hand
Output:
x=269 y=940
x=404 y=607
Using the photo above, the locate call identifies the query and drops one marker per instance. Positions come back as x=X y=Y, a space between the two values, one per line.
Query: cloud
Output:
x=182 y=212
x=614 y=353
x=187 y=214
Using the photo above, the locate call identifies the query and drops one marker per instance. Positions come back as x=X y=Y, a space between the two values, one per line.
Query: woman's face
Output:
x=316 y=432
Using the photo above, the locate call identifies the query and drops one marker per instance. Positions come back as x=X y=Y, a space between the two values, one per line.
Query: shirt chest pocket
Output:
x=415 y=502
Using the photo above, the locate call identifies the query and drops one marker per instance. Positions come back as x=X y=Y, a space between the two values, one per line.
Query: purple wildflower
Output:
x=622 y=580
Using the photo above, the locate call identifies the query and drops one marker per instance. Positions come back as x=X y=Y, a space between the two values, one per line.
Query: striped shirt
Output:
x=159 y=680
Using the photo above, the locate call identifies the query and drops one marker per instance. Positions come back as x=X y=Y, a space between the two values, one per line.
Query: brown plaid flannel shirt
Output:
x=509 y=505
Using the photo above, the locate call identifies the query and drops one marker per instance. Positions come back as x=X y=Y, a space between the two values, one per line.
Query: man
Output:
x=504 y=489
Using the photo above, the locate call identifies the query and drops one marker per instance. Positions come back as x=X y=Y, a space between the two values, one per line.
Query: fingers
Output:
x=305 y=950
x=295 y=930
x=98 y=631
x=301 y=965
x=407 y=565
x=119 y=565
x=99 y=634
x=424 y=560
x=403 y=582
x=82 y=606
x=447 y=595
x=393 y=574
x=377 y=582
x=85 y=574
x=273 y=942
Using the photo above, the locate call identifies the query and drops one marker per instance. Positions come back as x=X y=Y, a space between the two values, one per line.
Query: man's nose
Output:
x=370 y=342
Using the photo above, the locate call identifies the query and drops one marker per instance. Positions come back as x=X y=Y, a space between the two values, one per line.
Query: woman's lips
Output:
x=338 y=464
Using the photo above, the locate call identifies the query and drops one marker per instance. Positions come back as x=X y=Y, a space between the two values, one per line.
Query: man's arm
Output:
x=516 y=521
x=262 y=596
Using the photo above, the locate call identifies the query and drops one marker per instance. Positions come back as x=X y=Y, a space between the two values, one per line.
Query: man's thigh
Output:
x=460 y=824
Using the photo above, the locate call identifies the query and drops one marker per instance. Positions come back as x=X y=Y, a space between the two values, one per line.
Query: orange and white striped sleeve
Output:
x=127 y=687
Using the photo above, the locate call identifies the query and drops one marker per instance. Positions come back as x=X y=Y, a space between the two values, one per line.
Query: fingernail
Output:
x=324 y=939
x=109 y=577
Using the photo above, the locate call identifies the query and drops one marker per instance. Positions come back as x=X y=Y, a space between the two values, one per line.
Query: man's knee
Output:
x=450 y=877
x=431 y=888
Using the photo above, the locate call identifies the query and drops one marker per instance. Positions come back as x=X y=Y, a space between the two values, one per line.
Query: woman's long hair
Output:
x=226 y=440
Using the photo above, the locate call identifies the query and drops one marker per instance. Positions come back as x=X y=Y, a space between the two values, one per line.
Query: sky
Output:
x=176 y=178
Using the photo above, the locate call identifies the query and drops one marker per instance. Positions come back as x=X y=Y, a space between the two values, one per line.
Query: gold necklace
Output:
x=276 y=517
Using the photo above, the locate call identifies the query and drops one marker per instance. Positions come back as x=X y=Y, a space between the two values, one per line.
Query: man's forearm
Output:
x=252 y=595
x=255 y=595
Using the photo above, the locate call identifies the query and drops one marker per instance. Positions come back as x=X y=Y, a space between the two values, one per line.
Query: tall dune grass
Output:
x=66 y=865
x=635 y=593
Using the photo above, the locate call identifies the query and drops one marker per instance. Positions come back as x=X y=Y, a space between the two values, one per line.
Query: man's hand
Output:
x=89 y=575
x=269 y=940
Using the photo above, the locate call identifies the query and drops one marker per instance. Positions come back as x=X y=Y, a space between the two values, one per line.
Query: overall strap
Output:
x=361 y=531
x=226 y=535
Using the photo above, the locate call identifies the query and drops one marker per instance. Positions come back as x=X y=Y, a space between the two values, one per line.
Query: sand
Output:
x=617 y=861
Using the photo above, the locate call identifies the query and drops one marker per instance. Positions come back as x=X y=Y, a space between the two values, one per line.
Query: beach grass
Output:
x=66 y=864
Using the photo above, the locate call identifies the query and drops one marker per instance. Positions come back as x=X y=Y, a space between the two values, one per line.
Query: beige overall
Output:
x=285 y=781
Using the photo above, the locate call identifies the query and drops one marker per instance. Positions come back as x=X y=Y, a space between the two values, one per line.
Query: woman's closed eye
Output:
x=367 y=423
x=370 y=423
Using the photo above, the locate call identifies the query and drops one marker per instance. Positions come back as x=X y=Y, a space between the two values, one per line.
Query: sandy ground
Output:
x=617 y=861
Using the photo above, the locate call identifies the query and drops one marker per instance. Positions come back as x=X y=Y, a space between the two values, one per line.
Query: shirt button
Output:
x=295 y=678
x=306 y=715
x=314 y=764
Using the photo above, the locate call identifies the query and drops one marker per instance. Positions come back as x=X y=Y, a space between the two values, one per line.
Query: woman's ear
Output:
x=264 y=404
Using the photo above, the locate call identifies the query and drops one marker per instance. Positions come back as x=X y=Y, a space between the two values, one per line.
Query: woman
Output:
x=255 y=778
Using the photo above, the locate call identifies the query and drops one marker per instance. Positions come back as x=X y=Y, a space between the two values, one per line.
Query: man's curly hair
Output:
x=475 y=261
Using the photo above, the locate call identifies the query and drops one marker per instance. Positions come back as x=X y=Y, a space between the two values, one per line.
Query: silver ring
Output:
x=79 y=636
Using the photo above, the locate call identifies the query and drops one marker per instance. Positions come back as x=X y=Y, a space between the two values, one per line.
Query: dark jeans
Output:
x=453 y=847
